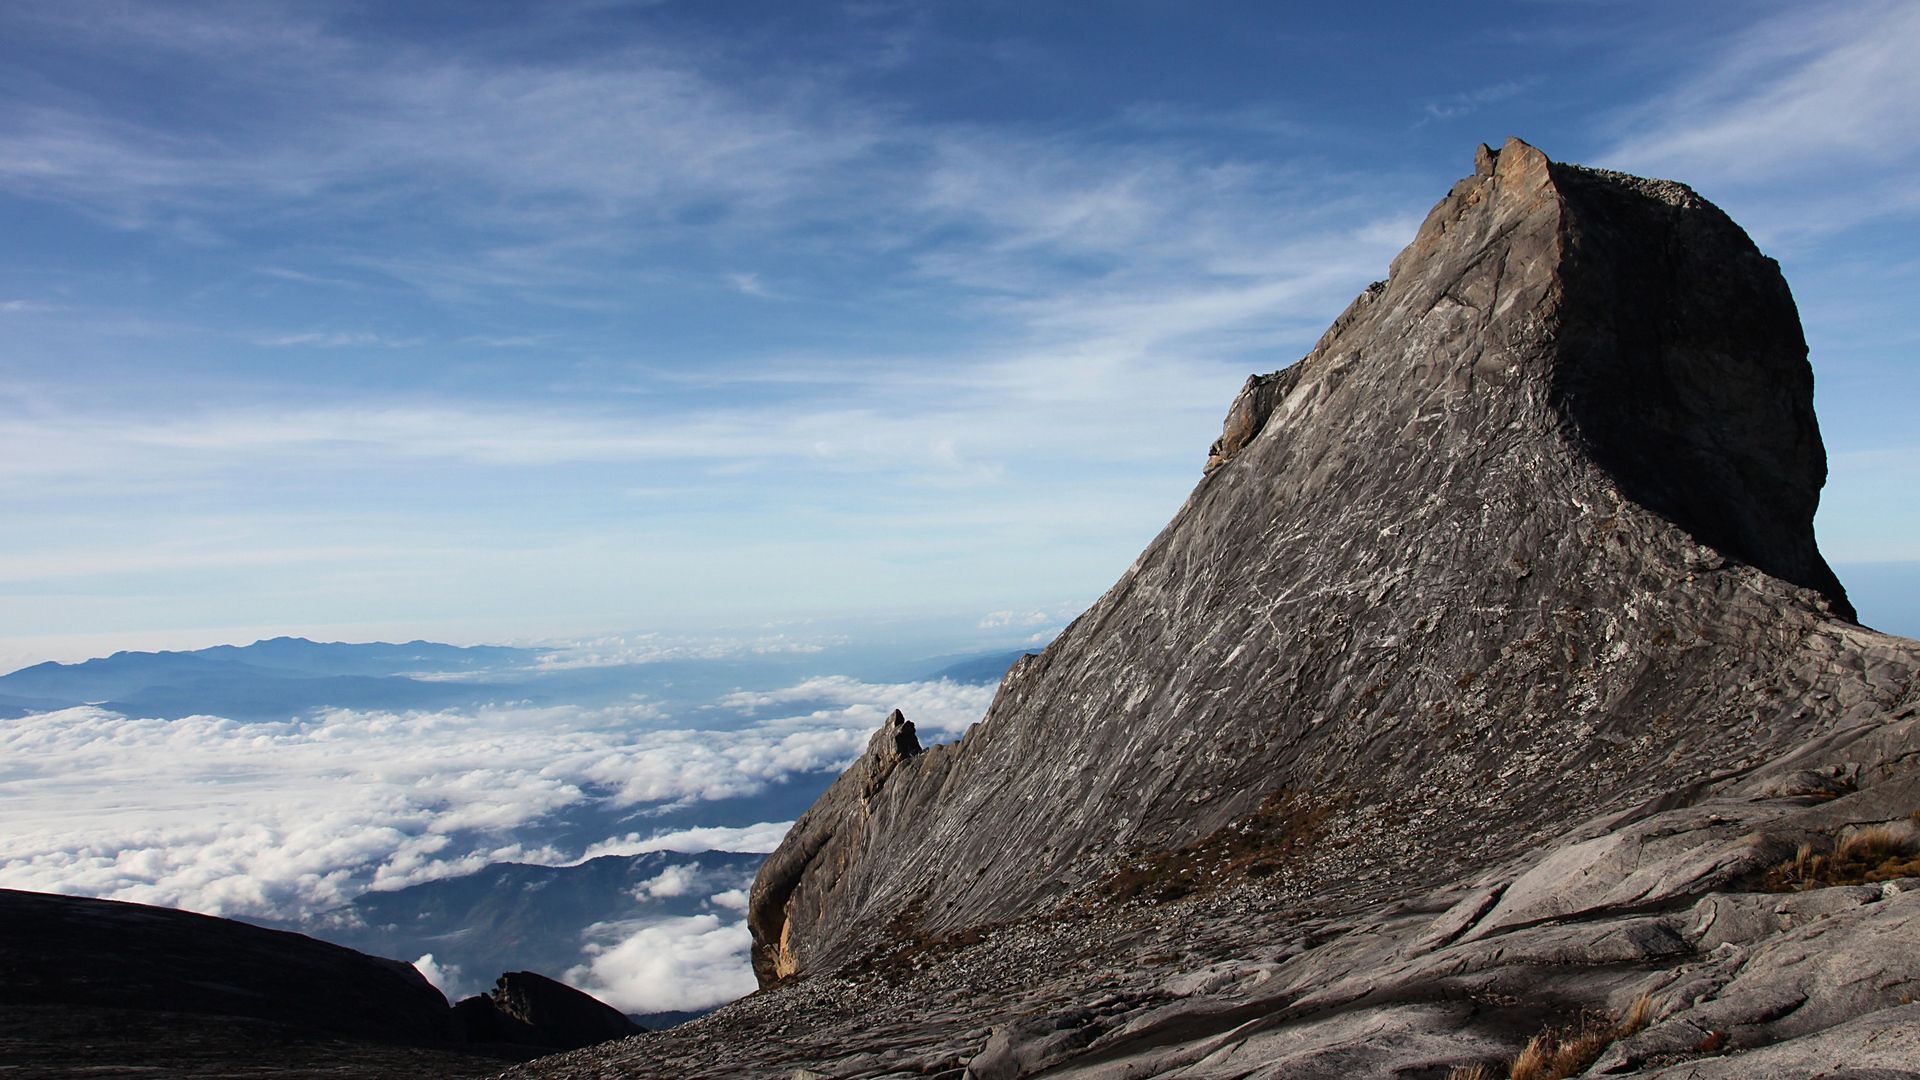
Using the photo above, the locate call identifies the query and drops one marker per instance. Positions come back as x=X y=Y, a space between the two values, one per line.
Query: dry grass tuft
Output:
x=1877 y=843
x=1555 y=1055
x=1469 y=1072
x=1533 y=1061
x=1572 y=1054
x=1638 y=1015
x=1860 y=857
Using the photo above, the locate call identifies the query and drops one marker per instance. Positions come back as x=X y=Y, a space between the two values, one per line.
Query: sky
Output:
x=505 y=322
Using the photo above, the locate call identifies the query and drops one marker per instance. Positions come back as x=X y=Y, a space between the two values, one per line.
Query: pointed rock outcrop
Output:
x=830 y=836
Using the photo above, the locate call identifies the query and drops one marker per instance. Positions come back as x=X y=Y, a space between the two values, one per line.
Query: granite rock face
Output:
x=1535 y=515
x=819 y=845
x=1489 y=681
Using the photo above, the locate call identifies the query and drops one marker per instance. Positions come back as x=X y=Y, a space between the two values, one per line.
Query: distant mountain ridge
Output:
x=269 y=679
x=277 y=678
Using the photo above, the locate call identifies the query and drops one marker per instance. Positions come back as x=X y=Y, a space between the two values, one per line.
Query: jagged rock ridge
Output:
x=1485 y=680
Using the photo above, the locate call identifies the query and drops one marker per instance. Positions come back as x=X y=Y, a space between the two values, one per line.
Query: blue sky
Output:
x=490 y=321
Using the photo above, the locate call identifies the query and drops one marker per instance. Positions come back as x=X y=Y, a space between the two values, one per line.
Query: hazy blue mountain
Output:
x=12 y=705
x=286 y=676
x=121 y=674
x=979 y=668
x=270 y=679
x=370 y=658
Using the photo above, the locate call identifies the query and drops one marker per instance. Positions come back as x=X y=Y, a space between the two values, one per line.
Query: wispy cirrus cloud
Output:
x=1811 y=115
x=534 y=160
x=1467 y=102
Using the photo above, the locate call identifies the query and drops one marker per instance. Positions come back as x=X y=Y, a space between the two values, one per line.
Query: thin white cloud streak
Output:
x=1815 y=111
x=639 y=132
x=82 y=563
x=286 y=819
x=619 y=650
x=1061 y=404
x=536 y=161
x=758 y=838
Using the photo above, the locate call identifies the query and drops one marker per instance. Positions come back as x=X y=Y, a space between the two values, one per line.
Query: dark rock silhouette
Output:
x=90 y=986
x=530 y=1009
x=102 y=952
x=1489 y=681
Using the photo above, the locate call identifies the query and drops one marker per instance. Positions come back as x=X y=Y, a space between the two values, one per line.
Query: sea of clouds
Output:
x=283 y=820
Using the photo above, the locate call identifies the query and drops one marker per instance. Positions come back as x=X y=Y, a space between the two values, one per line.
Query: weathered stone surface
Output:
x=1248 y=415
x=1476 y=690
x=829 y=837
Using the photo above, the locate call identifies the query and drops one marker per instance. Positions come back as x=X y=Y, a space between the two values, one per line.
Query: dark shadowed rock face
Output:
x=1488 y=684
x=98 y=987
x=1534 y=516
x=65 y=949
x=95 y=987
x=529 y=1009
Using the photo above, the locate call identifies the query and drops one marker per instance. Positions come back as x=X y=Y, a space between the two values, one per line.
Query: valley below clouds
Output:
x=290 y=821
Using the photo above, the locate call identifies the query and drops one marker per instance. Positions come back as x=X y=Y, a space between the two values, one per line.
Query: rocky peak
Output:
x=1489 y=684
x=1523 y=503
x=830 y=835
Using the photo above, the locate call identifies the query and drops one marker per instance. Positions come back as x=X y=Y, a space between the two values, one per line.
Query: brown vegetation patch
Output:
x=1284 y=827
x=906 y=945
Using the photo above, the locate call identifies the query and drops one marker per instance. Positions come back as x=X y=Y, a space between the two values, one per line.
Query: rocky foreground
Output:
x=1487 y=710
x=103 y=988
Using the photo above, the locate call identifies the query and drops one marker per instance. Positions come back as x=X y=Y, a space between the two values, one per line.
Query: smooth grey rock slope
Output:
x=1477 y=685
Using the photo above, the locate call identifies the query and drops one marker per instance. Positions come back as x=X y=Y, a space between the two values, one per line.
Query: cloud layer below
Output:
x=285 y=819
